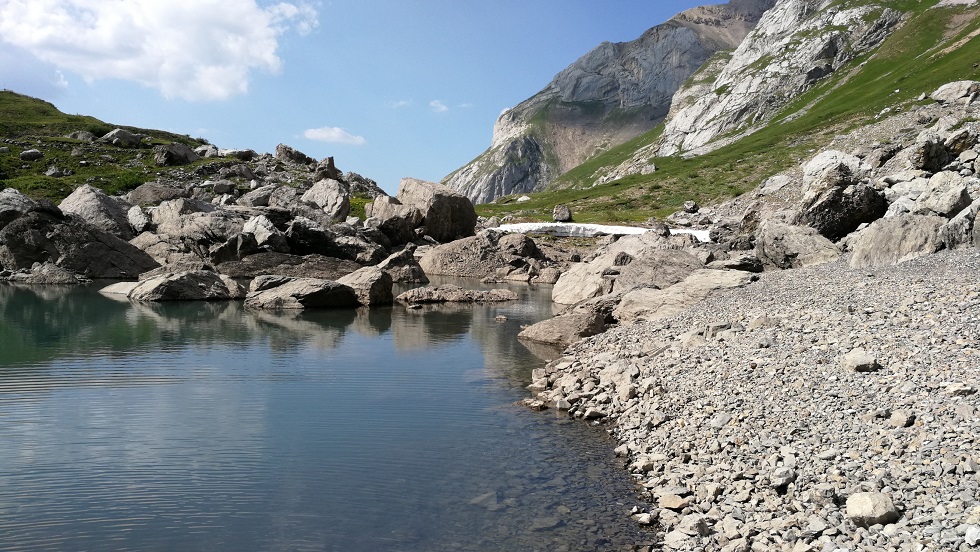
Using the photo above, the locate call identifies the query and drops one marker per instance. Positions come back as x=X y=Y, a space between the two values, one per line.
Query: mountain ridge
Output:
x=613 y=93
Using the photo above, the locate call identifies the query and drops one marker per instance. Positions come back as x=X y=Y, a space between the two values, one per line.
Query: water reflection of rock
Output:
x=288 y=330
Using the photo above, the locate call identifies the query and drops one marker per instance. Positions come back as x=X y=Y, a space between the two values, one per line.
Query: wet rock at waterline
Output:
x=455 y=294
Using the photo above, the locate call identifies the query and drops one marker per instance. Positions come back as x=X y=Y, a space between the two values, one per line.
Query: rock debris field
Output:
x=819 y=409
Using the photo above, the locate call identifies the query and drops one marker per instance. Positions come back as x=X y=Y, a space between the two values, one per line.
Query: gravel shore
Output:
x=817 y=409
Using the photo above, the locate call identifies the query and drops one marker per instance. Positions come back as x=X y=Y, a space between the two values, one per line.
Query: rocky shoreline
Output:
x=750 y=427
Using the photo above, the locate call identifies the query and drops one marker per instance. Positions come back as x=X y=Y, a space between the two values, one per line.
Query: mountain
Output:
x=810 y=70
x=610 y=95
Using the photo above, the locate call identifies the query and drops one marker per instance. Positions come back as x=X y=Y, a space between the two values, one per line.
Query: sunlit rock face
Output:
x=608 y=96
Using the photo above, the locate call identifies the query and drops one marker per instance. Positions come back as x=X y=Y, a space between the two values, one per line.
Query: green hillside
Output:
x=30 y=123
x=933 y=47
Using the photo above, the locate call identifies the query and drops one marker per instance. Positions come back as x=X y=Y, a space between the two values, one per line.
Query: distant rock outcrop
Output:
x=610 y=95
x=795 y=44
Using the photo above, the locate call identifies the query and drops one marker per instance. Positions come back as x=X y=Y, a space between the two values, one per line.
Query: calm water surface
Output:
x=208 y=427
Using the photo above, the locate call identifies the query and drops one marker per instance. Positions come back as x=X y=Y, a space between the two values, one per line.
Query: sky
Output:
x=390 y=89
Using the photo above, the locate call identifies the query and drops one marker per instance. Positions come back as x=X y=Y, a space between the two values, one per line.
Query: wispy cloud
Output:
x=465 y=105
x=333 y=135
x=189 y=50
x=438 y=106
x=399 y=104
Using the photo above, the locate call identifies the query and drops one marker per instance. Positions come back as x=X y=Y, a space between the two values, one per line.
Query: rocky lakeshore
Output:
x=819 y=409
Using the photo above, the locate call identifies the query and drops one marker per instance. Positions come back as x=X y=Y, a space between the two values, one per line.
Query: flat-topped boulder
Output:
x=301 y=293
x=455 y=294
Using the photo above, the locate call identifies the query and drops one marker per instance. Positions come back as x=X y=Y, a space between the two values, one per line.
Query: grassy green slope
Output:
x=27 y=123
x=934 y=47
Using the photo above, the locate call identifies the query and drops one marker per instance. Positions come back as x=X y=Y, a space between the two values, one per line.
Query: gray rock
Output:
x=14 y=205
x=197 y=285
x=306 y=266
x=174 y=154
x=481 y=255
x=946 y=195
x=866 y=509
x=31 y=155
x=47 y=274
x=787 y=246
x=859 y=360
x=303 y=293
x=154 y=193
x=403 y=268
x=563 y=330
x=258 y=197
x=267 y=236
x=72 y=244
x=372 y=285
x=561 y=213
x=331 y=196
x=897 y=239
x=646 y=304
x=395 y=220
x=958 y=232
x=122 y=138
x=99 y=210
x=455 y=294
x=954 y=92
x=446 y=214
x=290 y=155
x=137 y=219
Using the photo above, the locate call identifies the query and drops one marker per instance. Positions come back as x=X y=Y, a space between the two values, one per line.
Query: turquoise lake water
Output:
x=204 y=426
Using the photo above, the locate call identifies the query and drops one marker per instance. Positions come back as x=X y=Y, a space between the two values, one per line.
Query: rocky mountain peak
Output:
x=615 y=92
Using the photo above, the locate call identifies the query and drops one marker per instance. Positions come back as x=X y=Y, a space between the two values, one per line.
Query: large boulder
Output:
x=195 y=285
x=154 y=193
x=403 y=267
x=946 y=195
x=648 y=304
x=267 y=236
x=303 y=293
x=372 y=285
x=481 y=255
x=396 y=220
x=72 y=244
x=893 y=240
x=455 y=294
x=790 y=246
x=291 y=155
x=306 y=237
x=959 y=231
x=632 y=261
x=563 y=330
x=122 y=138
x=14 y=205
x=330 y=196
x=447 y=214
x=307 y=266
x=959 y=91
x=835 y=211
x=47 y=274
x=258 y=197
x=929 y=152
x=99 y=210
x=173 y=154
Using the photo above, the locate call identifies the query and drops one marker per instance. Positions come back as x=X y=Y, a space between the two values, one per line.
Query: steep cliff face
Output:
x=795 y=44
x=612 y=94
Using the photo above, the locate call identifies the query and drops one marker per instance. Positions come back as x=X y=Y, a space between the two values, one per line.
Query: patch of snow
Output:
x=589 y=230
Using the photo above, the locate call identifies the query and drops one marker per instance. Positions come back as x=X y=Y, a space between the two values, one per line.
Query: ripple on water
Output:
x=200 y=427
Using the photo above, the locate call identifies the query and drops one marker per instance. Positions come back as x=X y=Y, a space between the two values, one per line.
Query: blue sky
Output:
x=389 y=89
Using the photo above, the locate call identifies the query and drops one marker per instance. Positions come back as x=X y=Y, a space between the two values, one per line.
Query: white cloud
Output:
x=334 y=135
x=191 y=49
x=438 y=106
x=399 y=104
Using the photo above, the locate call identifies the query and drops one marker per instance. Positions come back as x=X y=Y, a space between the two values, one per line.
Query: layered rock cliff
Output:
x=796 y=44
x=610 y=95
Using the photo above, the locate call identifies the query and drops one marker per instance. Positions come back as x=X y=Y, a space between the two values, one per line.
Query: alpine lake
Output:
x=206 y=426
